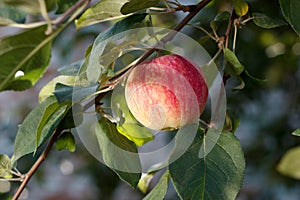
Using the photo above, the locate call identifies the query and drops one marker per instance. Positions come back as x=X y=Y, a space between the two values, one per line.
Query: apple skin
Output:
x=166 y=92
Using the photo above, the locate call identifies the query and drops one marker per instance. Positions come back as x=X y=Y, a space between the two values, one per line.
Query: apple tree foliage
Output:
x=217 y=175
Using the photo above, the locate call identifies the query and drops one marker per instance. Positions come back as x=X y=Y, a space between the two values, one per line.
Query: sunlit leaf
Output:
x=296 y=132
x=144 y=182
x=114 y=148
x=160 y=190
x=127 y=124
x=138 y=134
x=24 y=58
x=264 y=21
x=5 y=166
x=289 y=164
x=5 y=21
x=25 y=141
x=241 y=7
x=102 y=11
x=218 y=175
x=49 y=88
x=66 y=141
x=137 y=5
x=49 y=115
x=290 y=10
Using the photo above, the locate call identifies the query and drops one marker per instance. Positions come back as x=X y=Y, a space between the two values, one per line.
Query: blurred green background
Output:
x=268 y=113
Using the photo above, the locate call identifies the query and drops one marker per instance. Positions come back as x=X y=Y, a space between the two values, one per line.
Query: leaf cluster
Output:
x=25 y=56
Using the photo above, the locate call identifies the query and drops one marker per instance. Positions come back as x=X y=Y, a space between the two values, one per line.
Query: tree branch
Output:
x=70 y=11
x=37 y=164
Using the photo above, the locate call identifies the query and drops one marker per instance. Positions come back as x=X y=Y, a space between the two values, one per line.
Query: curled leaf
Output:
x=236 y=68
x=296 y=132
x=66 y=141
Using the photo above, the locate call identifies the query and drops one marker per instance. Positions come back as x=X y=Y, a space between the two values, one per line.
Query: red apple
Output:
x=166 y=92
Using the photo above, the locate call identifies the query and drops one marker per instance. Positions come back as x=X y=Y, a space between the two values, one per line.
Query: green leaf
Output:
x=264 y=21
x=102 y=11
x=12 y=14
x=66 y=141
x=236 y=68
x=222 y=16
x=25 y=141
x=128 y=125
x=66 y=93
x=49 y=115
x=49 y=88
x=144 y=182
x=5 y=166
x=137 y=5
x=296 y=132
x=24 y=58
x=160 y=190
x=121 y=26
x=94 y=68
x=290 y=10
x=5 y=21
x=118 y=152
x=138 y=134
x=217 y=175
x=289 y=164
x=73 y=115
x=64 y=5
x=70 y=70
x=241 y=7
x=31 y=6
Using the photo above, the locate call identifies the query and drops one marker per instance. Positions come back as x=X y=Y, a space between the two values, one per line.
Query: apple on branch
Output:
x=166 y=92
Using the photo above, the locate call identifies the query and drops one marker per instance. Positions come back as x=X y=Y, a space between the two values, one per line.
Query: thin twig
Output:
x=205 y=31
x=234 y=35
x=227 y=37
x=44 y=12
x=229 y=27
